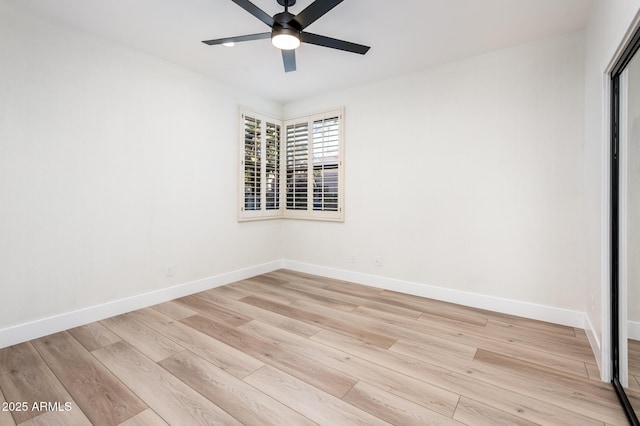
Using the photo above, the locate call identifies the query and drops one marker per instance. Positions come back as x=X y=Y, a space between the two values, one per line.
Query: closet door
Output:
x=625 y=209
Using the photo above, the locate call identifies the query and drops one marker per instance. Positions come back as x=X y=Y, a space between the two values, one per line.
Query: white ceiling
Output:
x=404 y=35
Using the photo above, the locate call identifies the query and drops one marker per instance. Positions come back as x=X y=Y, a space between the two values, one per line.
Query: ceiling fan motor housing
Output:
x=283 y=23
x=285 y=20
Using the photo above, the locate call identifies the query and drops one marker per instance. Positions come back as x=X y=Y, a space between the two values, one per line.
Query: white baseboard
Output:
x=596 y=348
x=491 y=303
x=43 y=327
x=35 y=329
x=633 y=331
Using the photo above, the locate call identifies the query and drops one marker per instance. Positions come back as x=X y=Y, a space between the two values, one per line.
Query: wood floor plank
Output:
x=308 y=400
x=505 y=399
x=422 y=393
x=537 y=324
x=593 y=372
x=174 y=310
x=265 y=291
x=218 y=313
x=281 y=321
x=573 y=351
x=5 y=415
x=74 y=417
x=578 y=395
x=428 y=351
x=94 y=336
x=244 y=402
x=539 y=327
x=297 y=294
x=319 y=375
x=296 y=275
x=578 y=332
x=220 y=354
x=330 y=323
x=633 y=366
x=368 y=323
x=149 y=342
x=147 y=418
x=25 y=377
x=281 y=274
x=438 y=308
x=173 y=400
x=392 y=408
x=633 y=383
x=471 y=412
x=347 y=298
x=403 y=327
x=549 y=336
x=100 y=395
x=270 y=279
x=354 y=289
x=599 y=403
x=232 y=292
x=552 y=381
x=475 y=315
x=251 y=288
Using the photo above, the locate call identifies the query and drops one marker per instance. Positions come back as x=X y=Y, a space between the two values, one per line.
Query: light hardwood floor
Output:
x=287 y=348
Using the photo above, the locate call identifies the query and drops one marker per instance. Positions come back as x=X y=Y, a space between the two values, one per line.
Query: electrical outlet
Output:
x=377 y=261
x=353 y=258
x=169 y=271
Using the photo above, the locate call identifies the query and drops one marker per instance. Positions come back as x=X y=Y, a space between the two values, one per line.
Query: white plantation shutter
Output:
x=272 y=166
x=297 y=166
x=292 y=169
x=252 y=163
x=314 y=149
x=259 y=167
x=326 y=162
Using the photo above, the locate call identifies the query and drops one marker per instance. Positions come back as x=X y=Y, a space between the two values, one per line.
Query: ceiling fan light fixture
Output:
x=285 y=38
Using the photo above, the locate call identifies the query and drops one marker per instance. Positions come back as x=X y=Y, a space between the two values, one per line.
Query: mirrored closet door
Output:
x=625 y=212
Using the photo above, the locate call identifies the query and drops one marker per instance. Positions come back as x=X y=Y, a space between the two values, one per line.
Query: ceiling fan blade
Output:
x=333 y=43
x=289 y=59
x=314 y=11
x=255 y=11
x=238 y=39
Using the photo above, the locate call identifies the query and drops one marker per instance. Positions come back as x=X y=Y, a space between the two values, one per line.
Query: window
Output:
x=308 y=154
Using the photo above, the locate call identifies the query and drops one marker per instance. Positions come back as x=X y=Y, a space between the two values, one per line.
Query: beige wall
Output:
x=113 y=164
x=466 y=177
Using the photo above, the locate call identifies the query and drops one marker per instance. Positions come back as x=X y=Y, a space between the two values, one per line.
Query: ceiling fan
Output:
x=287 y=30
